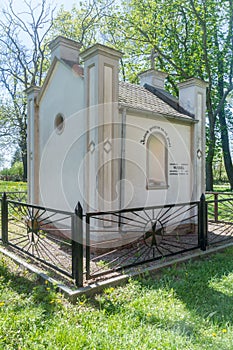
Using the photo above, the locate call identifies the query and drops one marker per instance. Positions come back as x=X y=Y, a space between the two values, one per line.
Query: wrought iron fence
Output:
x=215 y=207
x=219 y=217
x=101 y=243
x=19 y=196
x=47 y=235
x=122 y=239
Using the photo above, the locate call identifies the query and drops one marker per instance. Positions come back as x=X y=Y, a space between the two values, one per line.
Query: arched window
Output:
x=157 y=160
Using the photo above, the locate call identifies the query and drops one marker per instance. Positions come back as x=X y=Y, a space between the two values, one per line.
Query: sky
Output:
x=67 y=3
x=20 y=8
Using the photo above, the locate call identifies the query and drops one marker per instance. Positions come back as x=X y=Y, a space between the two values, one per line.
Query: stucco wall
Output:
x=180 y=170
x=62 y=153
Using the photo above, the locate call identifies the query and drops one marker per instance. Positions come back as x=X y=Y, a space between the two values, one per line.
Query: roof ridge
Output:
x=167 y=99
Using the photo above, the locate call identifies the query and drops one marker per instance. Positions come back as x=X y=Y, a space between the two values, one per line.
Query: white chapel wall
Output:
x=62 y=152
x=179 y=162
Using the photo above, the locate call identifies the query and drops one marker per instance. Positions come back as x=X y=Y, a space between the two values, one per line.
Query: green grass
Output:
x=187 y=307
x=11 y=186
x=222 y=187
x=224 y=208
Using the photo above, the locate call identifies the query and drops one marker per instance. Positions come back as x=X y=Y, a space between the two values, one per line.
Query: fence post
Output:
x=77 y=245
x=4 y=219
x=202 y=223
x=216 y=207
x=88 y=246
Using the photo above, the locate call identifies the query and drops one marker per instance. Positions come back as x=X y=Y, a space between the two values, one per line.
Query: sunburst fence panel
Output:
x=122 y=239
x=43 y=234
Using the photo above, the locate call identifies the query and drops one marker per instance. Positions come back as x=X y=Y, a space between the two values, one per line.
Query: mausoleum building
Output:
x=110 y=144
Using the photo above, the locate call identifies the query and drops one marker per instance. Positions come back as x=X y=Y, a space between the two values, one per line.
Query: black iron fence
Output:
x=19 y=196
x=49 y=236
x=121 y=239
x=220 y=217
x=84 y=247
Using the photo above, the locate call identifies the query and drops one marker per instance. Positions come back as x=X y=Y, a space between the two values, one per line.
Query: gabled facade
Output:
x=111 y=144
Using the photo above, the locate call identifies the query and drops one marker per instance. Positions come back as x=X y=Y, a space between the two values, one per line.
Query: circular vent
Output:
x=59 y=123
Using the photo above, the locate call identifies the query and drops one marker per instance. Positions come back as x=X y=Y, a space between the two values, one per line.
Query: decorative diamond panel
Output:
x=107 y=146
x=91 y=146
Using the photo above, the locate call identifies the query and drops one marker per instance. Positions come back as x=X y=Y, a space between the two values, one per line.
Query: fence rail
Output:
x=86 y=246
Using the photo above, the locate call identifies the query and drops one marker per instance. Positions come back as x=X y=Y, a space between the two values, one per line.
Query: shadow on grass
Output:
x=191 y=301
x=203 y=287
x=14 y=280
x=196 y=285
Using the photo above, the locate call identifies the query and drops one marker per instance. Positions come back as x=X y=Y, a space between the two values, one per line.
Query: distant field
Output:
x=11 y=186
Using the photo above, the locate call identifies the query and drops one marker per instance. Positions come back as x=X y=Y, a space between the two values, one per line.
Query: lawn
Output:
x=186 y=307
x=222 y=187
x=11 y=186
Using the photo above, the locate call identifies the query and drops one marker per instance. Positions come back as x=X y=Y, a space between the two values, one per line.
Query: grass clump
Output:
x=186 y=307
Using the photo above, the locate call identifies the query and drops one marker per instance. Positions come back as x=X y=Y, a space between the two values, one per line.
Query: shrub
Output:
x=15 y=173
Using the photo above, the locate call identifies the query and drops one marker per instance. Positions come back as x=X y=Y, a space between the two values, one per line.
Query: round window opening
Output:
x=59 y=123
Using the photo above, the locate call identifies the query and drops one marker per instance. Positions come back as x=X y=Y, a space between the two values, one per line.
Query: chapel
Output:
x=110 y=144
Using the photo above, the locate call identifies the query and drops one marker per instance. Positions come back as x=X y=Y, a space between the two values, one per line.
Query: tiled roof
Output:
x=138 y=97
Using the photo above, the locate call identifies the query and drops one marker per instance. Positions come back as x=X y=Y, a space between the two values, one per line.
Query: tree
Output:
x=16 y=157
x=8 y=138
x=22 y=61
x=5 y=124
x=191 y=38
x=83 y=23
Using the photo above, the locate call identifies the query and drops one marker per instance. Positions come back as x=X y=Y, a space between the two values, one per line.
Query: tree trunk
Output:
x=209 y=171
x=210 y=155
x=24 y=159
x=226 y=148
x=220 y=172
x=23 y=148
x=223 y=124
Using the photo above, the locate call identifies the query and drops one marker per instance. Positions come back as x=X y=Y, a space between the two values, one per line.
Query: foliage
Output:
x=186 y=307
x=16 y=157
x=191 y=39
x=83 y=23
x=219 y=172
x=15 y=173
x=8 y=131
